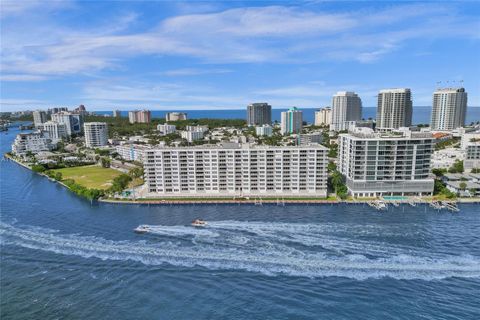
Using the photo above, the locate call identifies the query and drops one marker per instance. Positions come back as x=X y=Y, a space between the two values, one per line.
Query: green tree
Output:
x=457 y=167
x=439 y=172
x=38 y=168
x=136 y=172
x=331 y=167
x=462 y=186
x=105 y=162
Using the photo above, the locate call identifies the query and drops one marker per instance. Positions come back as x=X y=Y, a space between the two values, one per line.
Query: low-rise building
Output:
x=389 y=163
x=166 y=128
x=237 y=170
x=197 y=128
x=131 y=151
x=33 y=142
x=445 y=158
x=265 y=130
x=308 y=138
x=191 y=136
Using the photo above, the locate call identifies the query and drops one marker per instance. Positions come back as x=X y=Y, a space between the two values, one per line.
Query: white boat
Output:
x=378 y=204
x=142 y=229
x=199 y=223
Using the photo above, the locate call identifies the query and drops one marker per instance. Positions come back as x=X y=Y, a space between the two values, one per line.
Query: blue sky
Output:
x=219 y=55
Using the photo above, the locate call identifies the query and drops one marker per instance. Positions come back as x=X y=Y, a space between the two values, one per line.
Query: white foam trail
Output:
x=243 y=251
x=180 y=231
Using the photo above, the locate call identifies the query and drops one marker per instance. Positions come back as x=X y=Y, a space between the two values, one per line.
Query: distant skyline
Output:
x=224 y=55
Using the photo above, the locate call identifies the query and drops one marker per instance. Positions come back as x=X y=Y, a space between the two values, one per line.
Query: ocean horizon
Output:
x=421 y=114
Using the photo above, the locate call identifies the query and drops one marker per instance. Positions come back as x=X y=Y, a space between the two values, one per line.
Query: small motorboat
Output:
x=141 y=229
x=199 y=223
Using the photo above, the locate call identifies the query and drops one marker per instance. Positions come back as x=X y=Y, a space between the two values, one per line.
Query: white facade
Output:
x=39 y=117
x=291 y=121
x=191 y=136
x=390 y=163
x=131 y=151
x=197 y=128
x=34 y=142
x=237 y=170
x=346 y=106
x=96 y=134
x=56 y=131
x=323 y=117
x=471 y=145
x=449 y=109
x=116 y=113
x=265 y=130
x=72 y=121
x=394 y=109
x=166 y=128
x=175 y=116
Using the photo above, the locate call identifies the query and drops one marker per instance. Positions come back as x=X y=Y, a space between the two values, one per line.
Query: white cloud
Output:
x=257 y=34
x=21 y=77
x=193 y=72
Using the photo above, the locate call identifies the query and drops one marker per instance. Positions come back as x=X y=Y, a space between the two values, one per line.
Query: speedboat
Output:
x=199 y=223
x=141 y=229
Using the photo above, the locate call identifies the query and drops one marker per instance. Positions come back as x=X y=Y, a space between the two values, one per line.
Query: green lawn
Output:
x=94 y=177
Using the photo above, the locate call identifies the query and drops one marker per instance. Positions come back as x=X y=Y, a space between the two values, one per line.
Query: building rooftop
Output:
x=402 y=133
x=450 y=90
x=243 y=146
x=396 y=90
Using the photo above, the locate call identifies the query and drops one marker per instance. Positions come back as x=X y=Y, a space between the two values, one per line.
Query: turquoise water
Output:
x=395 y=198
x=65 y=258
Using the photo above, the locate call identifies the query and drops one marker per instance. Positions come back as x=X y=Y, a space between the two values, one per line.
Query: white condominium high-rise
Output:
x=72 y=121
x=55 y=130
x=291 y=121
x=96 y=134
x=33 y=142
x=166 y=128
x=346 y=107
x=323 y=117
x=394 y=109
x=117 y=113
x=449 y=109
x=39 y=117
x=237 y=170
x=386 y=163
x=265 y=130
x=175 y=116
x=259 y=114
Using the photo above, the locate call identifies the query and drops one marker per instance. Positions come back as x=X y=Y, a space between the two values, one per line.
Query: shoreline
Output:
x=172 y=200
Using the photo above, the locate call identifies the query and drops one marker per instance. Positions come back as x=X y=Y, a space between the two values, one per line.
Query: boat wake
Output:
x=306 y=250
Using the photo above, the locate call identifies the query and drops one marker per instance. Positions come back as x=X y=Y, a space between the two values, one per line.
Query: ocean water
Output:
x=63 y=257
x=421 y=115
